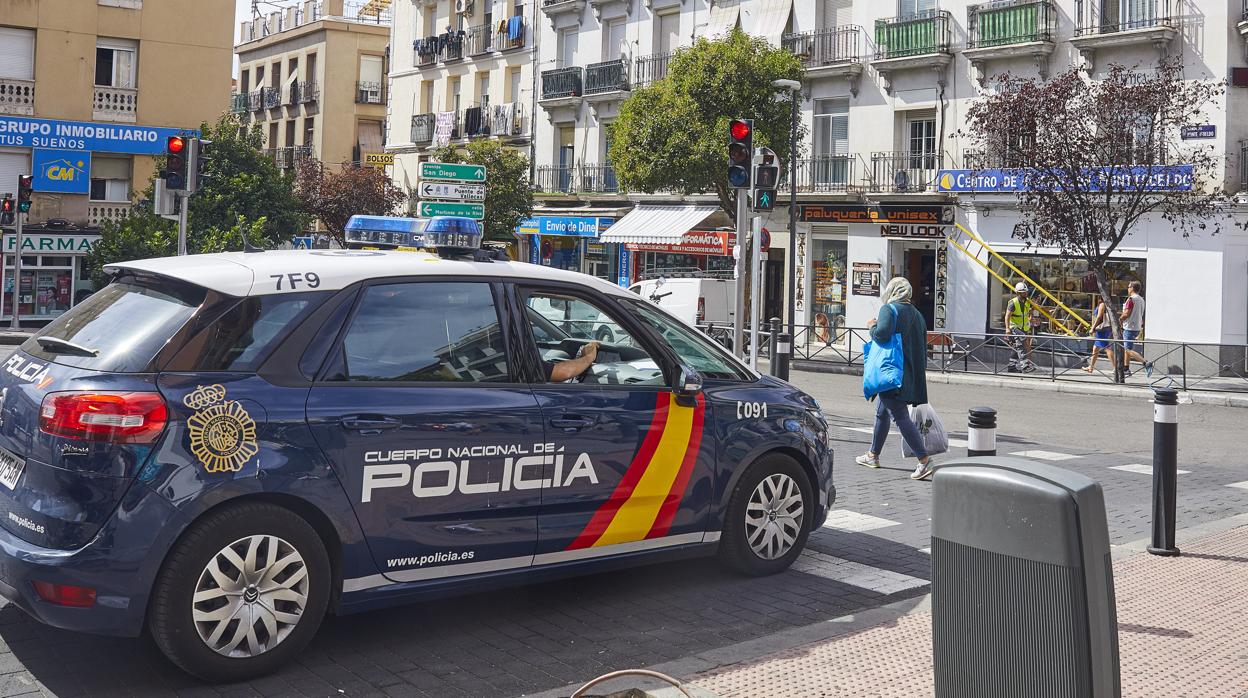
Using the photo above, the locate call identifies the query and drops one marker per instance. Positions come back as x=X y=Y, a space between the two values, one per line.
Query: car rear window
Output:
x=242 y=337
x=119 y=328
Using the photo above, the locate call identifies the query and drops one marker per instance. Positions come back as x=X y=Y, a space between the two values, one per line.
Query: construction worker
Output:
x=1020 y=318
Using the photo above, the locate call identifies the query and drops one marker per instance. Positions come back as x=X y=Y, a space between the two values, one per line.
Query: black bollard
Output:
x=981 y=432
x=780 y=357
x=1165 y=469
x=773 y=329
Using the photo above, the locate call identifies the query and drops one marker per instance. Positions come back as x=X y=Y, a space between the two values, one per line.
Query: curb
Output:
x=13 y=339
x=1191 y=397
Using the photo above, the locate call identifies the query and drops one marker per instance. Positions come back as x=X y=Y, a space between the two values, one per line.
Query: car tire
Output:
x=761 y=535
x=198 y=589
x=606 y=336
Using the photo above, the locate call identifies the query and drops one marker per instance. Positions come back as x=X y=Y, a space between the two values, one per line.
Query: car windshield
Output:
x=695 y=350
x=120 y=328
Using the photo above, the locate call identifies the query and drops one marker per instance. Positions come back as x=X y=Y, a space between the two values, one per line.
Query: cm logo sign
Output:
x=62 y=171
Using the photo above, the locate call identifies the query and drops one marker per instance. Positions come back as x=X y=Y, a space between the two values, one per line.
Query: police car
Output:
x=223 y=448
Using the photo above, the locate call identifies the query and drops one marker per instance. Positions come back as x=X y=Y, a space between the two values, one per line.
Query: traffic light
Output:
x=177 y=152
x=7 y=210
x=740 y=152
x=25 y=185
x=766 y=177
x=201 y=155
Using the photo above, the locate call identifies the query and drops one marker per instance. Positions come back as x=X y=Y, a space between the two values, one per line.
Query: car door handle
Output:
x=370 y=423
x=572 y=422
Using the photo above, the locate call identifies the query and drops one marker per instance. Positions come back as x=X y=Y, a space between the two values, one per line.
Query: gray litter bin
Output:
x=1022 y=584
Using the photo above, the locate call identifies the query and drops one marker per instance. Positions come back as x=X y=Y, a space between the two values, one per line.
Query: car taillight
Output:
x=65 y=594
x=125 y=418
x=701 y=310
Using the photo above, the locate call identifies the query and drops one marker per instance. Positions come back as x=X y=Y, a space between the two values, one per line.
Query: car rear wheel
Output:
x=768 y=517
x=243 y=592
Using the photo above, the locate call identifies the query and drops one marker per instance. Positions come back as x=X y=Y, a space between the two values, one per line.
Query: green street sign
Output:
x=428 y=209
x=452 y=172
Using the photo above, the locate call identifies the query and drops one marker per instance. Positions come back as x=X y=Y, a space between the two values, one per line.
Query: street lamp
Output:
x=795 y=88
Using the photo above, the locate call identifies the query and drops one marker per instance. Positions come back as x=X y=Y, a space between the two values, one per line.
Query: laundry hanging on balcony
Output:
x=501 y=118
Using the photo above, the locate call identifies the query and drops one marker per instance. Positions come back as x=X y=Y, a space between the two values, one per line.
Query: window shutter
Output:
x=837 y=13
x=370 y=69
x=17 y=53
x=12 y=166
x=110 y=168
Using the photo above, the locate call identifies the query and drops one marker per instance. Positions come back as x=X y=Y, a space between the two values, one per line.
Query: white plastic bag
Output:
x=935 y=440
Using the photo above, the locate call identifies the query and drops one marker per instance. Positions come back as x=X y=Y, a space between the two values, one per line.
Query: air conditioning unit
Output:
x=463 y=7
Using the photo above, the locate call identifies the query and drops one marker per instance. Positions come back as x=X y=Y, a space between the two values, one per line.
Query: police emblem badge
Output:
x=223 y=434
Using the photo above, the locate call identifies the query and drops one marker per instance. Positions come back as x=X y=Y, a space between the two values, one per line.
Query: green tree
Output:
x=508 y=198
x=673 y=134
x=244 y=194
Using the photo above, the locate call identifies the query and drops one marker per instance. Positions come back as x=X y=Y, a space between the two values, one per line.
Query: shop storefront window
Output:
x=658 y=263
x=47 y=286
x=828 y=271
x=1069 y=280
x=561 y=252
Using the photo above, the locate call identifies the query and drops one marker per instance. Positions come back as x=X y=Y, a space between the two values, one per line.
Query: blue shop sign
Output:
x=574 y=226
x=624 y=272
x=22 y=132
x=1161 y=178
x=61 y=171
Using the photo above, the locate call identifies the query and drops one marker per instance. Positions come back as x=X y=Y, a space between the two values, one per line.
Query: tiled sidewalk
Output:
x=1182 y=629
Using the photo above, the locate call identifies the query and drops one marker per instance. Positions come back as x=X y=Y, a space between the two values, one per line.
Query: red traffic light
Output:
x=7 y=205
x=176 y=144
x=739 y=130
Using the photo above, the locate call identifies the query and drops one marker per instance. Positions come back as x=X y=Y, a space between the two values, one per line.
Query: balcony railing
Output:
x=422 y=128
x=904 y=172
x=648 y=69
x=454 y=49
x=608 y=76
x=823 y=173
x=17 y=96
x=555 y=179
x=368 y=93
x=512 y=39
x=562 y=82
x=1006 y=22
x=272 y=97
x=599 y=179
x=292 y=96
x=240 y=102
x=480 y=39
x=826 y=46
x=1243 y=164
x=1244 y=13
x=1114 y=16
x=309 y=92
x=101 y=212
x=116 y=104
x=916 y=35
x=255 y=100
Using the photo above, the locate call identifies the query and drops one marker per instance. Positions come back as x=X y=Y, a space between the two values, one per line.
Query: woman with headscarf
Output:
x=892 y=405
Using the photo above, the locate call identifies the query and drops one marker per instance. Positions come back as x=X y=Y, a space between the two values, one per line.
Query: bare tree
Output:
x=1099 y=156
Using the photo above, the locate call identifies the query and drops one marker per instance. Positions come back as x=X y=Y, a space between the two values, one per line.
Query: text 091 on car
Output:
x=220 y=449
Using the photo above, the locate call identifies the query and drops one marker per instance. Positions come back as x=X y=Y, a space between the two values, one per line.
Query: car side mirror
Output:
x=688 y=386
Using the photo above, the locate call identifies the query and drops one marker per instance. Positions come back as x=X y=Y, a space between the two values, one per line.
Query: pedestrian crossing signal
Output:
x=764 y=200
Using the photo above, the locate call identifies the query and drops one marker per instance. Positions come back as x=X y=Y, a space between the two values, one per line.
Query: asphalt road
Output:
x=536 y=638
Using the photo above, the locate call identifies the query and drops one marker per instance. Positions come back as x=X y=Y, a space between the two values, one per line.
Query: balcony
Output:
x=561 y=92
x=598 y=179
x=829 y=53
x=240 y=102
x=454 y=49
x=101 y=212
x=1102 y=24
x=652 y=68
x=514 y=37
x=1243 y=21
x=255 y=100
x=826 y=174
x=120 y=104
x=480 y=40
x=292 y=95
x=1010 y=29
x=563 y=13
x=607 y=80
x=271 y=97
x=555 y=179
x=422 y=128
x=912 y=42
x=309 y=92
x=17 y=97
x=368 y=93
x=905 y=172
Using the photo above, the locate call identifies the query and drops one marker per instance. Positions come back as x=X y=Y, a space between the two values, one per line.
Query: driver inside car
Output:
x=560 y=371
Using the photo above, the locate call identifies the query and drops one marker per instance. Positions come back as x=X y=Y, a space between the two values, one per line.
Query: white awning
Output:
x=766 y=18
x=652 y=223
x=723 y=17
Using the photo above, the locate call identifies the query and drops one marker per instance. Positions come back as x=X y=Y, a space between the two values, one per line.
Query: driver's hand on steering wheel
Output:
x=590 y=351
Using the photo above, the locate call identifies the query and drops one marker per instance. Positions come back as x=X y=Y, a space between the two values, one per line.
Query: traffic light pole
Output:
x=184 y=203
x=15 y=322
x=756 y=257
x=738 y=322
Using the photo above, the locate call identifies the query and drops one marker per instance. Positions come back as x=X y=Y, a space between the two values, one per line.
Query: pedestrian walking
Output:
x=900 y=316
x=1132 y=319
x=1020 y=317
x=1102 y=328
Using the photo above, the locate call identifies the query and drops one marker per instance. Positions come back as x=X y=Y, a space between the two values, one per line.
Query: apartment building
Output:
x=312 y=79
x=887 y=87
x=461 y=70
x=88 y=93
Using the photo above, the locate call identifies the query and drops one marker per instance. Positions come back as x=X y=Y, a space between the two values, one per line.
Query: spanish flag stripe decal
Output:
x=667 y=512
x=607 y=511
x=637 y=514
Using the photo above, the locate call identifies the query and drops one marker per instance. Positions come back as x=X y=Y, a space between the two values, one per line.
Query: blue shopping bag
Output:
x=883 y=364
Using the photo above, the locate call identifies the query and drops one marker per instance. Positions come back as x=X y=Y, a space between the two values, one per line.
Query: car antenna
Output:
x=248 y=248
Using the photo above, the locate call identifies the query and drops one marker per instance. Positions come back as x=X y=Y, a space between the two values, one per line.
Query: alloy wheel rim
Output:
x=250 y=596
x=773 y=516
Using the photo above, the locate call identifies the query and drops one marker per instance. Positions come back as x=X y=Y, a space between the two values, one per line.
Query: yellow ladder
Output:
x=965 y=240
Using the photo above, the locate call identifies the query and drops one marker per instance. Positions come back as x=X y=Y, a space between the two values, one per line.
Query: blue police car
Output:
x=223 y=448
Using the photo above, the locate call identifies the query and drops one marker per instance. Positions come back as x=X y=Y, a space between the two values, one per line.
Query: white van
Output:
x=696 y=301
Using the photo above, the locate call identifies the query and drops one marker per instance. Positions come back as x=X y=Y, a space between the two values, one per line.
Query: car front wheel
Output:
x=242 y=593
x=768 y=517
